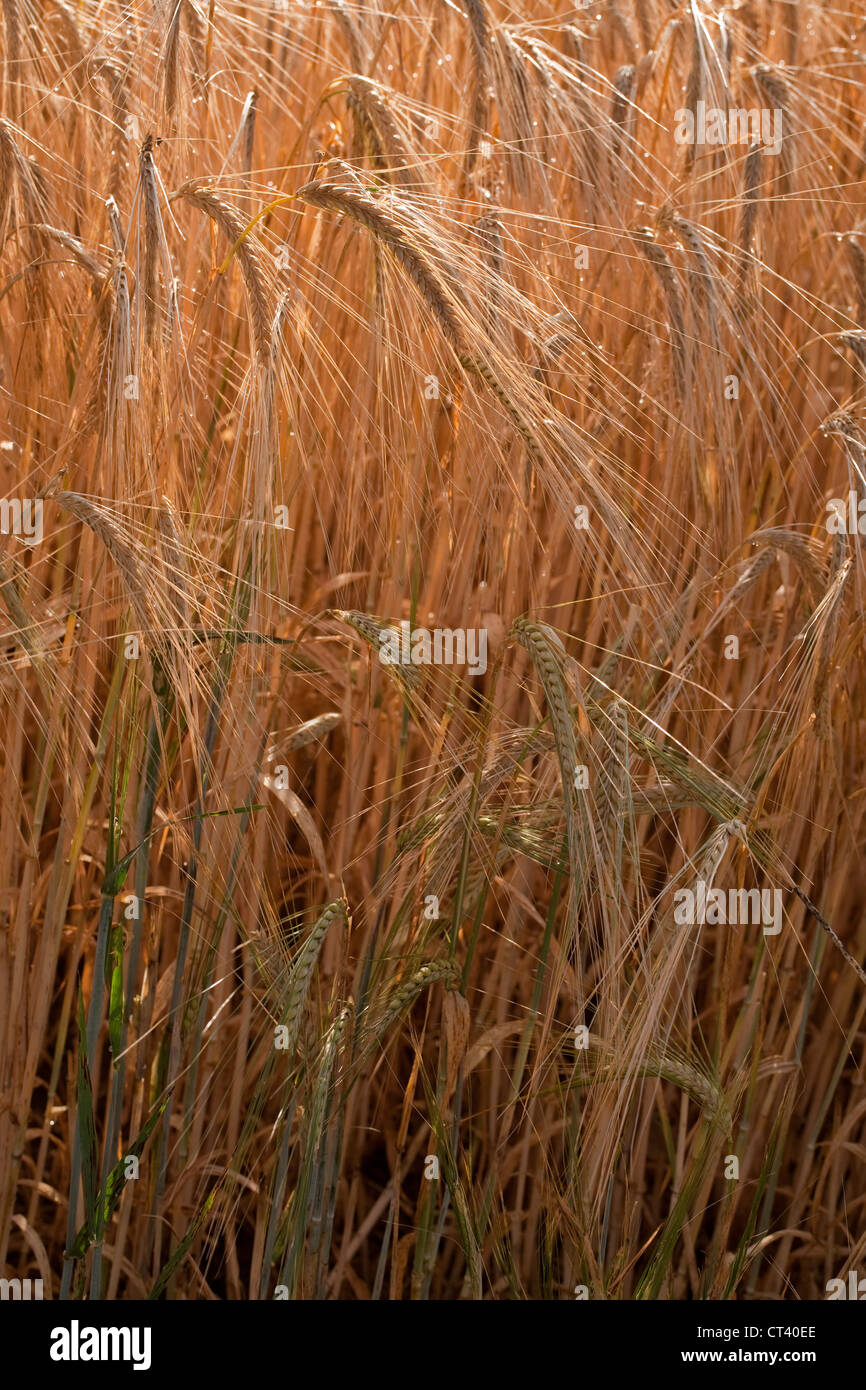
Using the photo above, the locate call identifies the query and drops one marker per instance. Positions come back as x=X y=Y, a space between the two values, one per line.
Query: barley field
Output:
x=432 y=681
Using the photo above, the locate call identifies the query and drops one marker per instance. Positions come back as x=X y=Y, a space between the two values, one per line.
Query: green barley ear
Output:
x=302 y=968
x=403 y=996
x=306 y=1213
x=668 y=1064
x=549 y=658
